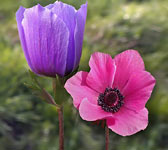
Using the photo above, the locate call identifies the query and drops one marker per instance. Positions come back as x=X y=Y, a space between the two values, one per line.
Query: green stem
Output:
x=54 y=84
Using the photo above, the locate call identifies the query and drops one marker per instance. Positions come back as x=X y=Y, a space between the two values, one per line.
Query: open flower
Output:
x=115 y=90
x=52 y=37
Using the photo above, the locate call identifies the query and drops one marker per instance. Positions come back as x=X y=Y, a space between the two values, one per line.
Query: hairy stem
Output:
x=107 y=137
x=60 y=117
x=61 y=128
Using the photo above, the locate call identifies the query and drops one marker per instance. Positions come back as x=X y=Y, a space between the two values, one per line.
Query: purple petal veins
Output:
x=48 y=37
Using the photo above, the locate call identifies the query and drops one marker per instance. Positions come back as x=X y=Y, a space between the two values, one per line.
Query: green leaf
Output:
x=34 y=79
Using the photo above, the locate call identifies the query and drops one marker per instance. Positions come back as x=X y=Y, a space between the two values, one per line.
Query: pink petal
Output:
x=78 y=89
x=126 y=63
x=92 y=112
x=138 y=90
x=102 y=71
x=128 y=122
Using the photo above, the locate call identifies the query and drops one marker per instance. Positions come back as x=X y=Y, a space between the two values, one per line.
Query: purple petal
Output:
x=79 y=32
x=19 y=18
x=68 y=14
x=47 y=40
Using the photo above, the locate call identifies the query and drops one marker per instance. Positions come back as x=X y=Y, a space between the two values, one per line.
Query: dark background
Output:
x=28 y=123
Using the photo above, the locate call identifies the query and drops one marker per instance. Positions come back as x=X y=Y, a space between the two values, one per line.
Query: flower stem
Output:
x=60 y=117
x=61 y=128
x=54 y=87
x=107 y=137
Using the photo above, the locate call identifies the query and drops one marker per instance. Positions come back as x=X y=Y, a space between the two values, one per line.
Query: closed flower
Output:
x=52 y=37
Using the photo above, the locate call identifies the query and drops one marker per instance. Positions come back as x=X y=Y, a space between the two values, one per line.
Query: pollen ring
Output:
x=111 y=100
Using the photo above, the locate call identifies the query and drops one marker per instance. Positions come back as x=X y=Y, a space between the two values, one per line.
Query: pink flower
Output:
x=115 y=90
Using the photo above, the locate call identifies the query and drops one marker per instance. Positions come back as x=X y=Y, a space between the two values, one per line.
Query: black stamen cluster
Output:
x=106 y=107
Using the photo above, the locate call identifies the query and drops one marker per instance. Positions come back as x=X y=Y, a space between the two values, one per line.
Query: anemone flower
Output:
x=52 y=37
x=115 y=90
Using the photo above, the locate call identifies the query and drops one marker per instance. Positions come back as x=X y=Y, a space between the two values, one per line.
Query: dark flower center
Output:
x=111 y=100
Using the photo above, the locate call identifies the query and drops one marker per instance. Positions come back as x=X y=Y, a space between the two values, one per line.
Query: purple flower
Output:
x=52 y=37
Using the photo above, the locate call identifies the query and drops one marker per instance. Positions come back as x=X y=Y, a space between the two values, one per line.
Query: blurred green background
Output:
x=28 y=123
